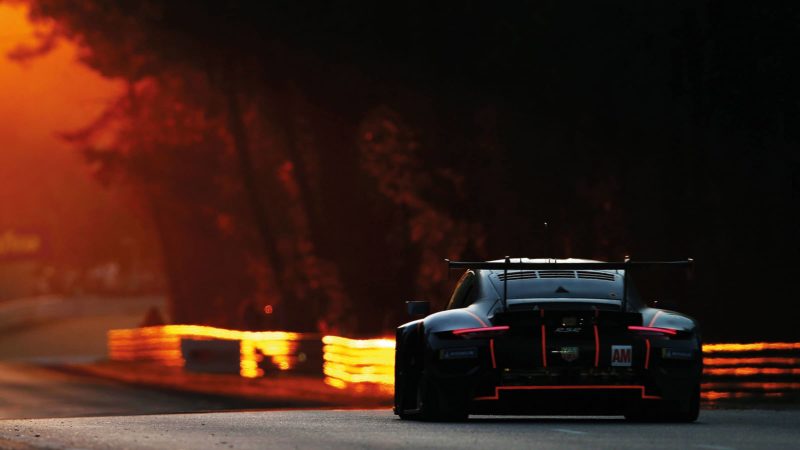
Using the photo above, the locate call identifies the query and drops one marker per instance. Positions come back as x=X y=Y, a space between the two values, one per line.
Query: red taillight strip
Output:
x=544 y=341
x=491 y=349
x=544 y=349
x=497 y=390
x=596 y=339
x=480 y=330
x=669 y=331
x=596 y=347
x=647 y=355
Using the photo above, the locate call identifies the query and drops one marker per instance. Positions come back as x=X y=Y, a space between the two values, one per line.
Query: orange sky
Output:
x=49 y=94
x=44 y=185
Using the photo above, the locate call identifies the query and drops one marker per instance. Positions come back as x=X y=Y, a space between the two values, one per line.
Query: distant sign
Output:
x=16 y=244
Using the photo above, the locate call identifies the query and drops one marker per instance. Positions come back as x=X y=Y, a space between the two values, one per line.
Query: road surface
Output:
x=721 y=429
x=28 y=391
x=39 y=409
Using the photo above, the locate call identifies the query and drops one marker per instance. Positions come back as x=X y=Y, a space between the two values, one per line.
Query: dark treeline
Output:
x=323 y=157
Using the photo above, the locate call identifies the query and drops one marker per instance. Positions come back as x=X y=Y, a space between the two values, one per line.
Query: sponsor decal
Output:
x=569 y=354
x=570 y=324
x=621 y=355
x=458 y=353
x=568 y=330
x=671 y=353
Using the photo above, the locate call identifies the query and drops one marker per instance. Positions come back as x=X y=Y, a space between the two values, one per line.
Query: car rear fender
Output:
x=453 y=319
x=663 y=318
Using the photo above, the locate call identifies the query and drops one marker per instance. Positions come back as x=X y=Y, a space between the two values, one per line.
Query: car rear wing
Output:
x=507 y=265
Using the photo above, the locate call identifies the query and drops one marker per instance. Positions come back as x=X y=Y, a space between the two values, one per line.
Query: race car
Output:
x=548 y=336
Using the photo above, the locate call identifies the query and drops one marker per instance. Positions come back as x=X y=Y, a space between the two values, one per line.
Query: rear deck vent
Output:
x=592 y=275
x=556 y=274
x=518 y=275
x=532 y=274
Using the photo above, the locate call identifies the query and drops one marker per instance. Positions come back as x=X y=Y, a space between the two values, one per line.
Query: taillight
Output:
x=668 y=331
x=483 y=332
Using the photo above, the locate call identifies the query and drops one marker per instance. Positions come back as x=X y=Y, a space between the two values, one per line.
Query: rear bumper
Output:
x=560 y=390
x=533 y=373
x=567 y=399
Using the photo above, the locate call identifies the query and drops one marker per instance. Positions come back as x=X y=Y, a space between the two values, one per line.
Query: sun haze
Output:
x=44 y=184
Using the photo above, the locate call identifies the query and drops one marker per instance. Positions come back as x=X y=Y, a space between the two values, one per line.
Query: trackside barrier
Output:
x=360 y=363
x=162 y=344
x=762 y=369
x=732 y=370
x=751 y=370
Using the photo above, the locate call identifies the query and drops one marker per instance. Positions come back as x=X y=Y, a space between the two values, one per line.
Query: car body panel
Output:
x=567 y=345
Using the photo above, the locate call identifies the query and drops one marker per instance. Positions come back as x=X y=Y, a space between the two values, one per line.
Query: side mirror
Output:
x=418 y=308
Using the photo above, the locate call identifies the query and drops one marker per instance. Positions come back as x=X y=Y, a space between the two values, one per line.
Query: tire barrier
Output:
x=732 y=370
x=360 y=363
x=761 y=370
x=259 y=351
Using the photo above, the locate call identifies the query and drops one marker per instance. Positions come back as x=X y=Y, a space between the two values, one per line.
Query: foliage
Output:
x=324 y=156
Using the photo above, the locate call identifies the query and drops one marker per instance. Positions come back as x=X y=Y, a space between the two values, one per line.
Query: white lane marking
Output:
x=713 y=447
x=568 y=431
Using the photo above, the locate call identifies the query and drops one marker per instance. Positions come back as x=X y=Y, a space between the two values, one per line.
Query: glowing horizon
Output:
x=44 y=182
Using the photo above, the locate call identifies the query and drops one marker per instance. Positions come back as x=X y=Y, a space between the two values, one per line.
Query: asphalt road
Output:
x=28 y=391
x=39 y=409
x=721 y=429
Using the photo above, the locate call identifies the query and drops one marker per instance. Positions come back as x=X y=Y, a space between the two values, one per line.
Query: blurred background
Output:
x=308 y=166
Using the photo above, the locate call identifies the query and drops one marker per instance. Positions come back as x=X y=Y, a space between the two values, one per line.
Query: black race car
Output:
x=536 y=336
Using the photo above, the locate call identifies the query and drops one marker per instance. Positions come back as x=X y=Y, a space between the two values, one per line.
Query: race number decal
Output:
x=621 y=355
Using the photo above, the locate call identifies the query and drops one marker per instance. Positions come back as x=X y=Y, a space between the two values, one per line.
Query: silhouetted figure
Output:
x=152 y=318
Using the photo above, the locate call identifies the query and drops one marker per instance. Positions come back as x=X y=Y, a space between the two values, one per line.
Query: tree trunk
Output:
x=237 y=129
